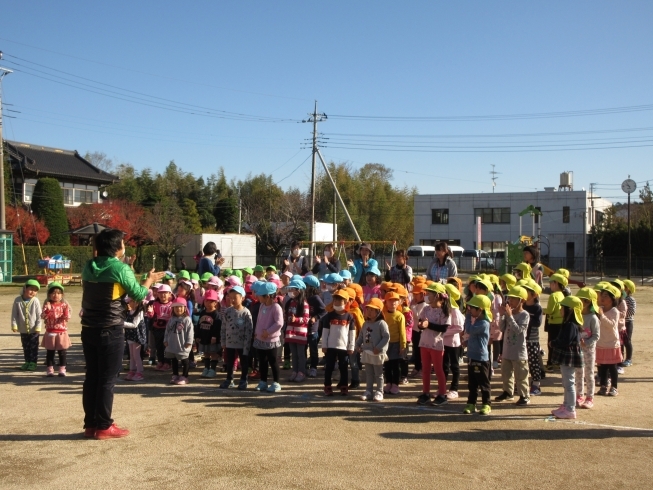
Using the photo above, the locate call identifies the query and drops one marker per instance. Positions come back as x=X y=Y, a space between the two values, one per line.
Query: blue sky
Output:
x=399 y=59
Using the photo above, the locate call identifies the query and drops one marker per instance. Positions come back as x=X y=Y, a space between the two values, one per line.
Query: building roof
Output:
x=52 y=162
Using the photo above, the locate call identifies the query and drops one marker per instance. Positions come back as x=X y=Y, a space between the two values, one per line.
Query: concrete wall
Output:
x=462 y=223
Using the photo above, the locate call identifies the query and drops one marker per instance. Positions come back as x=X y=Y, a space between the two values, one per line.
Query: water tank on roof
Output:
x=567 y=179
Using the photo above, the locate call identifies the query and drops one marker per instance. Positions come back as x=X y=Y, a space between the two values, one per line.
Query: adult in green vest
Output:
x=106 y=280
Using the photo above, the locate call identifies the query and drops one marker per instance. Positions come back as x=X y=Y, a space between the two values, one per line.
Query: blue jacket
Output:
x=357 y=269
x=479 y=335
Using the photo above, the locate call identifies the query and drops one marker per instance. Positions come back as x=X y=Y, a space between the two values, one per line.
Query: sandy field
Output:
x=197 y=436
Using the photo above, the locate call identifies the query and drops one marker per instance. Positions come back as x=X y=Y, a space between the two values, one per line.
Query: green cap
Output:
x=194 y=276
x=238 y=274
x=33 y=283
x=54 y=285
x=206 y=276
x=271 y=267
x=184 y=275
x=248 y=270
x=259 y=268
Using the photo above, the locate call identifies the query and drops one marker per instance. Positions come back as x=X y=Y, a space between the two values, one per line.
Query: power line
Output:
x=158 y=75
x=141 y=94
x=526 y=150
x=503 y=117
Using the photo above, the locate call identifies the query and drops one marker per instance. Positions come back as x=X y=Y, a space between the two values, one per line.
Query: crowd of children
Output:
x=250 y=319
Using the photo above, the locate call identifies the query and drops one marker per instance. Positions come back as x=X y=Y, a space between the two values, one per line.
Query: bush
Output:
x=47 y=203
x=79 y=256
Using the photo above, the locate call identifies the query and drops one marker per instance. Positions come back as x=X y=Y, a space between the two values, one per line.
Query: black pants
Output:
x=184 y=367
x=611 y=370
x=628 y=341
x=30 y=343
x=49 y=357
x=416 y=357
x=230 y=360
x=552 y=334
x=314 y=355
x=103 y=353
x=392 y=371
x=479 y=377
x=268 y=357
x=451 y=362
x=403 y=368
x=534 y=360
x=159 y=336
x=286 y=352
x=496 y=349
x=331 y=356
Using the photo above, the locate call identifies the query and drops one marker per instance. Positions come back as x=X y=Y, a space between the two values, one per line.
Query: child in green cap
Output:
x=26 y=319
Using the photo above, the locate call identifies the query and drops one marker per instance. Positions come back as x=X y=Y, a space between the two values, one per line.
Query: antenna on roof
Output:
x=494 y=174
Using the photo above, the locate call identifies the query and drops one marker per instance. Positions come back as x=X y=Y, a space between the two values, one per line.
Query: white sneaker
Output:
x=378 y=397
x=312 y=373
x=452 y=395
x=620 y=370
x=366 y=396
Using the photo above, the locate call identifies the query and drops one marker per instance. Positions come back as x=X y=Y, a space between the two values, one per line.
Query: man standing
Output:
x=106 y=281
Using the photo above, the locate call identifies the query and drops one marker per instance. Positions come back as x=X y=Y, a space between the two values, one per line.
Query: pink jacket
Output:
x=495 y=332
x=270 y=320
x=297 y=331
x=452 y=336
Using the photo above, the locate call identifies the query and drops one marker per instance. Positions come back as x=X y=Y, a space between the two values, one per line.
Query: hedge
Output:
x=79 y=256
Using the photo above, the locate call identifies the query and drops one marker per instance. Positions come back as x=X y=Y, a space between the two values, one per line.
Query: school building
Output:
x=566 y=215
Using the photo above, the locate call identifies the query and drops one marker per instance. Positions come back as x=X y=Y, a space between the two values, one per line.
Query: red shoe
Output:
x=328 y=391
x=255 y=375
x=89 y=432
x=113 y=432
x=344 y=390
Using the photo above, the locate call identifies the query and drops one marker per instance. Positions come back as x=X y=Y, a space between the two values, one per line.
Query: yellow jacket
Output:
x=553 y=309
x=397 y=326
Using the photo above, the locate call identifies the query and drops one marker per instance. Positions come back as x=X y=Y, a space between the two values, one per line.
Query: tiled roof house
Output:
x=79 y=179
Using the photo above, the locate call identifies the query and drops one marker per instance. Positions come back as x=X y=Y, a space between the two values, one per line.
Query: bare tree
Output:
x=100 y=160
x=169 y=232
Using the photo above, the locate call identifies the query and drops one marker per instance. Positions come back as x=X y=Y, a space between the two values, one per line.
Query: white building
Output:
x=452 y=218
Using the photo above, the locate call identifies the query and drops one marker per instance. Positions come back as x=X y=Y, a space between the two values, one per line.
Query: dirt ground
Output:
x=197 y=435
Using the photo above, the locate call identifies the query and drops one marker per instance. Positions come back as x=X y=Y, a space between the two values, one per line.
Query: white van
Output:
x=420 y=251
x=456 y=251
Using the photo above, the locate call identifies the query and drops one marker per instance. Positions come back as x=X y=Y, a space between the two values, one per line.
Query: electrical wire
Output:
x=141 y=94
x=502 y=117
x=158 y=75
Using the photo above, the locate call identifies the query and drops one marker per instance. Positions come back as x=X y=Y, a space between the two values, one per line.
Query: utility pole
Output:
x=585 y=245
x=314 y=118
x=3 y=220
x=335 y=207
x=240 y=210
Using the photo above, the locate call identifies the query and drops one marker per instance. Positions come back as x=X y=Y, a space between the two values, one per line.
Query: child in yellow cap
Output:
x=477 y=328
x=588 y=337
x=557 y=283
x=566 y=352
x=514 y=358
x=627 y=336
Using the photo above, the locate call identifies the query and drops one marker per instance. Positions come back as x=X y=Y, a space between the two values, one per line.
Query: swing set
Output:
x=343 y=246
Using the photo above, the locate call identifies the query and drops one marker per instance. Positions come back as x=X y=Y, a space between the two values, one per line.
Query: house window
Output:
x=439 y=216
x=68 y=196
x=83 y=196
x=28 y=193
x=537 y=216
x=565 y=214
x=492 y=215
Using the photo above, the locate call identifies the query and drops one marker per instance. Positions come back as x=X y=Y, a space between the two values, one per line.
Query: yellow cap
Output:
x=590 y=295
x=630 y=286
x=454 y=294
x=560 y=279
x=509 y=279
x=518 y=292
x=483 y=302
x=576 y=305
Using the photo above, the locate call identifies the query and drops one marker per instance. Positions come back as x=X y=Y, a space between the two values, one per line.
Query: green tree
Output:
x=191 y=216
x=226 y=215
x=47 y=203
